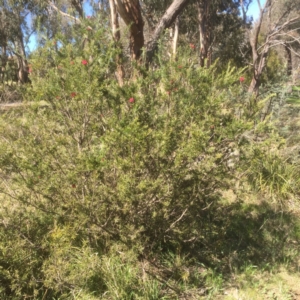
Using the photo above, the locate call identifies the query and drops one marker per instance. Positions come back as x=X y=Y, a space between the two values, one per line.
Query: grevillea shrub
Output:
x=88 y=165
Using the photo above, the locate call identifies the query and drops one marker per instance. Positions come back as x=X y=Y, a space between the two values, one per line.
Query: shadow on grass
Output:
x=236 y=237
x=242 y=234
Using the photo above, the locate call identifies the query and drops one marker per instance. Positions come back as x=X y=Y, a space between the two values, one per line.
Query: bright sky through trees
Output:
x=253 y=11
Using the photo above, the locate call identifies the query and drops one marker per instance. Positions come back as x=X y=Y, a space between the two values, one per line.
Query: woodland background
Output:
x=149 y=150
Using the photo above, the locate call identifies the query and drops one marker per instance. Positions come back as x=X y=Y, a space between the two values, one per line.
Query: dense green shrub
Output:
x=88 y=165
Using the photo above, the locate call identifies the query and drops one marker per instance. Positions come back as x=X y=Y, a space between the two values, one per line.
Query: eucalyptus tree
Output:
x=216 y=29
x=131 y=13
x=281 y=23
x=22 y=19
x=14 y=33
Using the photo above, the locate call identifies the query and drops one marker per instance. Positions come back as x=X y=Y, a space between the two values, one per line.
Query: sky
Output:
x=254 y=10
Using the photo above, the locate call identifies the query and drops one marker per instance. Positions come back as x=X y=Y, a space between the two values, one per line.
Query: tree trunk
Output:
x=117 y=36
x=259 y=63
x=21 y=58
x=289 y=60
x=3 y=61
x=130 y=12
x=202 y=24
x=78 y=7
x=175 y=38
x=259 y=59
x=168 y=18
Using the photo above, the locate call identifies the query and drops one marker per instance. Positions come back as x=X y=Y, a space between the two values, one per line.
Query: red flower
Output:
x=192 y=46
x=168 y=92
x=242 y=79
x=131 y=100
x=84 y=62
x=72 y=62
x=88 y=17
x=73 y=94
x=179 y=67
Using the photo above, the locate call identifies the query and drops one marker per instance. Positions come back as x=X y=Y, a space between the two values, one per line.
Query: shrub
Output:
x=89 y=164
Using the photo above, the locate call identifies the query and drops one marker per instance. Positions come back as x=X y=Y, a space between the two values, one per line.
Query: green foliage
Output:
x=294 y=97
x=98 y=178
x=274 y=70
x=272 y=175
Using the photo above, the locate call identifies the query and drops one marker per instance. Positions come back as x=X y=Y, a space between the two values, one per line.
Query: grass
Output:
x=269 y=270
x=251 y=252
x=265 y=285
x=254 y=254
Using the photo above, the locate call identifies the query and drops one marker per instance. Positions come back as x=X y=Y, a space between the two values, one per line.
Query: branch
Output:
x=259 y=5
x=245 y=10
x=168 y=18
x=253 y=42
x=78 y=6
x=292 y=21
x=284 y=43
x=283 y=15
x=172 y=225
x=63 y=13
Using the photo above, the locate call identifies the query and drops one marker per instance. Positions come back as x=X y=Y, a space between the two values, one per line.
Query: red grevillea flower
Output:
x=131 y=100
x=192 y=46
x=88 y=17
x=73 y=94
x=84 y=62
x=72 y=62
x=242 y=79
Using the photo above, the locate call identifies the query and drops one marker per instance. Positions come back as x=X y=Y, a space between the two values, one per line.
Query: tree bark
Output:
x=259 y=65
x=77 y=4
x=130 y=12
x=168 y=18
x=117 y=36
x=202 y=24
x=259 y=59
x=175 y=38
x=3 y=60
x=289 y=59
x=21 y=58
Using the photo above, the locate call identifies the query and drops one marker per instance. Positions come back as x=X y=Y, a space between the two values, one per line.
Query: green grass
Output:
x=267 y=270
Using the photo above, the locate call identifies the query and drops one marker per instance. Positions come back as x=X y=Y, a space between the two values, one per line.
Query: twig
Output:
x=172 y=225
x=63 y=13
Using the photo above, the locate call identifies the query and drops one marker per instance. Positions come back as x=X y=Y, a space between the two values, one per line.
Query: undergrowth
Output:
x=112 y=192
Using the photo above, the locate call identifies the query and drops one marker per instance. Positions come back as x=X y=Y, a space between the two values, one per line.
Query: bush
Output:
x=88 y=165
